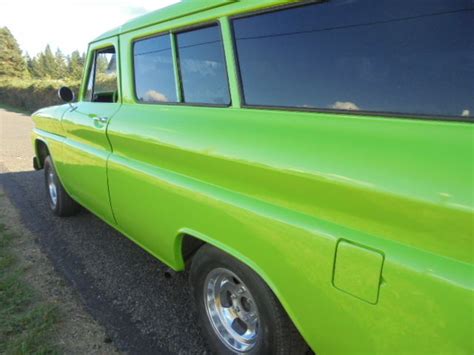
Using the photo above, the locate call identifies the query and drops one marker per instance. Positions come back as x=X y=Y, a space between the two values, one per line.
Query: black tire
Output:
x=63 y=205
x=275 y=334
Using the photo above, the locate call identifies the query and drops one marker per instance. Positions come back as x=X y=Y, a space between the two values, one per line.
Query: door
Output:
x=86 y=149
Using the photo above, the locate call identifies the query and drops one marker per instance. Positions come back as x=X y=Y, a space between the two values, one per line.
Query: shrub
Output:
x=31 y=95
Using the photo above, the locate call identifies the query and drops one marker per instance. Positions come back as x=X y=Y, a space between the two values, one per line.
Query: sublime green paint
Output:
x=358 y=271
x=280 y=191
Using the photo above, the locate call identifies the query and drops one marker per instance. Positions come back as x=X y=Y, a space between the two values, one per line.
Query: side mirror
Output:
x=66 y=94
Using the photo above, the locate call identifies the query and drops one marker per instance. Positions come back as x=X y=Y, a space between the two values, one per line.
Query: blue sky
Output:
x=69 y=24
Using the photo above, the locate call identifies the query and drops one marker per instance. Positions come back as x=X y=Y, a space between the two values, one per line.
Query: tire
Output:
x=60 y=203
x=225 y=289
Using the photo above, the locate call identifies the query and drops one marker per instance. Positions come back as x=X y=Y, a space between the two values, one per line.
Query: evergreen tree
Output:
x=61 y=66
x=75 y=65
x=29 y=65
x=35 y=69
x=12 y=63
x=47 y=64
x=102 y=63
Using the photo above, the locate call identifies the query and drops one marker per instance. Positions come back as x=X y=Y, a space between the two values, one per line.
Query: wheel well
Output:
x=42 y=152
x=189 y=246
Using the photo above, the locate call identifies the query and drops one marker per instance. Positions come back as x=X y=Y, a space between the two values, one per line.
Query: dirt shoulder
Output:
x=66 y=326
x=122 y=287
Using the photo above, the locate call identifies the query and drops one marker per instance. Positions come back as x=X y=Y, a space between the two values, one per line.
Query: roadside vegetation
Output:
x=32 y=94
x=29 y=82
x=26 y=322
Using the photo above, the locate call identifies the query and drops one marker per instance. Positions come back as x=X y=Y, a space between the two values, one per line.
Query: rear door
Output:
x=170 y=108
x=86 y=147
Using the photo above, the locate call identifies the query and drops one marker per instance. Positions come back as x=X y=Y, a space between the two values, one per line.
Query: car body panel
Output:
x=87 y=149
x=280 y=190
x=186 y=10
x=284 y=213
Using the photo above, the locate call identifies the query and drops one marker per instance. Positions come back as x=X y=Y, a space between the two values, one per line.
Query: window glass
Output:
x=90 y=83
x=154 y=72
x=102 y=83
x=202 y=66
x=412 y=57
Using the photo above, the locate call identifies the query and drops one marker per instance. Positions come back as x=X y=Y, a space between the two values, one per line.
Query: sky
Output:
x=70 y=24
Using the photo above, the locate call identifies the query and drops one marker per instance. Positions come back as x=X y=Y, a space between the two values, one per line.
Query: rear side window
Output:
x=154 y=71
x=202 y=66
x=102 y=84
x=408 y=57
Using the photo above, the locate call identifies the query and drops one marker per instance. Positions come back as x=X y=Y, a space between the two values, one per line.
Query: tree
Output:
x=75 y=65
x=12 y=63
x=47 y=64
x=29 y=65
x=34 y=67
x=61 y=66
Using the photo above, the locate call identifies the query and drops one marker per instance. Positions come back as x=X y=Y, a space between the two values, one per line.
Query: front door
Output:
x=86 y=147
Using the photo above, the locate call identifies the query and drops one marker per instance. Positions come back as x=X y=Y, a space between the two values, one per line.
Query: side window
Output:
x=202 y=66
x=154 y=71
x=90 y=83
x=102 y=83
x=409 y=57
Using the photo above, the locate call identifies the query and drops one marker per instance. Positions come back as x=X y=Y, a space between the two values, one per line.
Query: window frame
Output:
x=90 y=73
x=91 y=70
x=383 y=114
x=170 y=36
x=172 y=33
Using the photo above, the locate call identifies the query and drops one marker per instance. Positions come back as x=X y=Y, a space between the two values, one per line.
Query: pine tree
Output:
x=61 y=65
x=29 y=65
x=12 y=63
x=102 y=63
x=75 y=65
x=35 y=68
x=47 y=66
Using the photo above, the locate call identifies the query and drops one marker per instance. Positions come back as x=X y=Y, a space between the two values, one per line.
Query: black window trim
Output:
x=383 y=114
x=172 y=33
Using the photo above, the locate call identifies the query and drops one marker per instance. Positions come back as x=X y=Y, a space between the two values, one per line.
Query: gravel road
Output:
x=121 y=286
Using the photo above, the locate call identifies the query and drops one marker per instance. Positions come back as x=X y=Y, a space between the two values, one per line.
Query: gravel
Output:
x=123 y=287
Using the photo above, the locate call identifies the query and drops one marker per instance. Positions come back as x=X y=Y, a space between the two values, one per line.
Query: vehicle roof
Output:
x=181 y=9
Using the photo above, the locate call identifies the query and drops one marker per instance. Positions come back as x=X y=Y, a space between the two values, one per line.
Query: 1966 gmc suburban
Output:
x=310 y=162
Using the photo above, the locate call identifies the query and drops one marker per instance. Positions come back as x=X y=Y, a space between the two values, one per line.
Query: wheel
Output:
x=239 y=312
x=60 y=202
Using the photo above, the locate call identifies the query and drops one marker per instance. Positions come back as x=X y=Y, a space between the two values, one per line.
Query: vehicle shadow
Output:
x=123 y=287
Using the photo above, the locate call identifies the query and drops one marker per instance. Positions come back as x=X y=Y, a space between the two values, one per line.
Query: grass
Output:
x=26 y=322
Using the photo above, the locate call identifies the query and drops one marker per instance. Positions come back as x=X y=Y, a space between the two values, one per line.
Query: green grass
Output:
x=26 y=322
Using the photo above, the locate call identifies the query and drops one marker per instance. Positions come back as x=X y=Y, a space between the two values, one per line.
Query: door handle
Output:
x=101 y=119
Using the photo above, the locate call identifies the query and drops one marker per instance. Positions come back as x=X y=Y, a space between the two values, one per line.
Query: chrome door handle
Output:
x=101 y=119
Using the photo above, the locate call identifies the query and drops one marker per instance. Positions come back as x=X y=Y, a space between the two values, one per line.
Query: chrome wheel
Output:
x=52 y=189
x=231 y=310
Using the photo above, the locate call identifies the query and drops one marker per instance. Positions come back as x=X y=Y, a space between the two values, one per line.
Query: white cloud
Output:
x=203 y=67
x=68 y=25
x=345 y=105
x=155 y=96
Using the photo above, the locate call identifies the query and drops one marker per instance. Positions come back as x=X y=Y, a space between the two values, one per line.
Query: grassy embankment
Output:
x=32 y=94
x=26 y=322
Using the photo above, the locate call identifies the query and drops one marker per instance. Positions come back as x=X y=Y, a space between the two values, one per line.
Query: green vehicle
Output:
x=311 y=164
